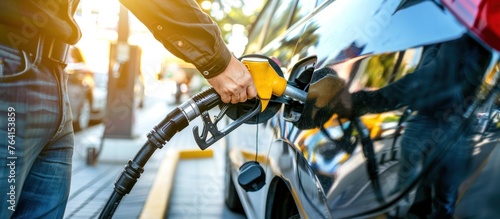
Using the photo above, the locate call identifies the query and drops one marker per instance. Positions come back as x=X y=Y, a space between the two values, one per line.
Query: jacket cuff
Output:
x=217 y=63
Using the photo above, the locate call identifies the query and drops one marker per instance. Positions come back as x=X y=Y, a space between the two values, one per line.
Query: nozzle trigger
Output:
x=204 y=141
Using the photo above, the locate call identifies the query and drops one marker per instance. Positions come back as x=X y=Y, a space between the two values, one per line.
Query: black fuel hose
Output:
x=175 y=121
x=371 y=159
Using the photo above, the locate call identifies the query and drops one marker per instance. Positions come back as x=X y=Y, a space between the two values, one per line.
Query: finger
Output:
x=251 y=92
x=243 y=97
x=225 y=98
x=235 y=99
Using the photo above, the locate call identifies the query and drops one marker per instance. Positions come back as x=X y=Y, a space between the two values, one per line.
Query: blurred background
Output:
x=160 y=72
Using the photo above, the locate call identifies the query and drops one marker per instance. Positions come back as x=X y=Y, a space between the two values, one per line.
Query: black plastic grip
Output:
x=207 y=99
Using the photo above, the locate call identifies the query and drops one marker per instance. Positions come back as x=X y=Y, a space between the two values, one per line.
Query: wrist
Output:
x=217 y=63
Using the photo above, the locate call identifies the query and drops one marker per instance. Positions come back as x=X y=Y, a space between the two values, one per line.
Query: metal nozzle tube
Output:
x=295 y=93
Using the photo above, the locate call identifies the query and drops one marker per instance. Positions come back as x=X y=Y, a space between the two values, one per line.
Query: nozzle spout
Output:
x=295 y=93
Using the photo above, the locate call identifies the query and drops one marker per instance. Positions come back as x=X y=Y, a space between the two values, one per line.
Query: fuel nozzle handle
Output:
x=268 y=80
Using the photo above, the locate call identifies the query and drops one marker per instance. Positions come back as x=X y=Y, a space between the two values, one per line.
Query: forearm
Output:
x=364 y=102
x=186 y=31
x=415 y=89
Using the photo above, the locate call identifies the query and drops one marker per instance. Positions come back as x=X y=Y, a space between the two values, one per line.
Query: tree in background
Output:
x=234 y=17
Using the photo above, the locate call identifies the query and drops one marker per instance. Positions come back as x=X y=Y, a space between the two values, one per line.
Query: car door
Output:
x=274 y=34
x=370 y=44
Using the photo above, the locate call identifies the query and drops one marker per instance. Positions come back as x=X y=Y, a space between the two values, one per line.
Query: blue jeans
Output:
x=424 y=139
x=36 y=133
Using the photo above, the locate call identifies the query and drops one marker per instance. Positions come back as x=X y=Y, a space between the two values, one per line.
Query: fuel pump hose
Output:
x=174 y=122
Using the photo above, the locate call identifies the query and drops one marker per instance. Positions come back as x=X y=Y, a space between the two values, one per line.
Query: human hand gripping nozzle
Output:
x=269 y=83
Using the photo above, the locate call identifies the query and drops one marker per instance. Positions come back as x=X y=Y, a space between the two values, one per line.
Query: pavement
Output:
x=179 y=181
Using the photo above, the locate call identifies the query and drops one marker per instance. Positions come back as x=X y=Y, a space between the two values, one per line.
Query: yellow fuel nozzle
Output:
x=266 y=80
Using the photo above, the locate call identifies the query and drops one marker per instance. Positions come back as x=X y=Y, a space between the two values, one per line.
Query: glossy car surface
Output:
x=87 y=90
x=370 y=44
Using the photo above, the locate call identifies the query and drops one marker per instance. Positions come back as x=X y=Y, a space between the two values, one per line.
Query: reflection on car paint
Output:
x=370 y=44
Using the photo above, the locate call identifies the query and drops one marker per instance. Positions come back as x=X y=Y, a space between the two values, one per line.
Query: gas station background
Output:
x=98 y=20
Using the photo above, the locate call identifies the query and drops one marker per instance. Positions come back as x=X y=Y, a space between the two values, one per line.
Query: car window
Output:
x=304 y=7
x=257 y=32
x=279 y=21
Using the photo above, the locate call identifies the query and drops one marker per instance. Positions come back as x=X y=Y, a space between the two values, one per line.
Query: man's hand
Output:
x=234 y=84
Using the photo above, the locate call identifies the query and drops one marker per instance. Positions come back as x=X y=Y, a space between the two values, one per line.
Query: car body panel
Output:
x=369 y=44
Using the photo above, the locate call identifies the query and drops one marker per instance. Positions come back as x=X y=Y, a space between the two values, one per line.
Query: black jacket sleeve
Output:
x=446 y=79
x=184 y=30
x=51 y=18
